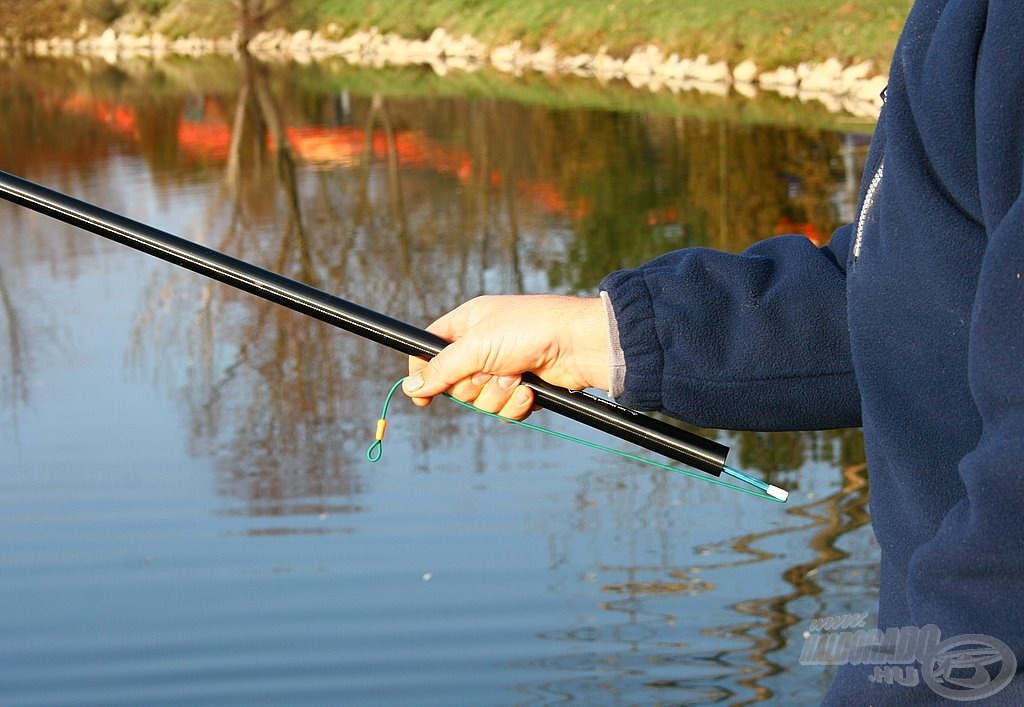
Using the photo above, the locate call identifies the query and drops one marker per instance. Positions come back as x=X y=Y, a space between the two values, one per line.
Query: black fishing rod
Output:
x=650 y=433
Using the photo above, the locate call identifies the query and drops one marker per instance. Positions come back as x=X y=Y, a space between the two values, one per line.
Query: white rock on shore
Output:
x=853 y=88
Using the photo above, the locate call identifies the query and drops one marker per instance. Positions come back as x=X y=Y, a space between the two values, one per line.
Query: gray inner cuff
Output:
x=616 y=357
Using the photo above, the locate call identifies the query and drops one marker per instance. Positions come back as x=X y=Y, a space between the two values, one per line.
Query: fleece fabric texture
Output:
x=910 y=324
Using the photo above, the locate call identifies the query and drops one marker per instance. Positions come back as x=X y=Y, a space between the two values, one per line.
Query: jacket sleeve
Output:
x=755 y=340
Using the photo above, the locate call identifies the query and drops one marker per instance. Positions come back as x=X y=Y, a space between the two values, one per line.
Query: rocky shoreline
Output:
x=853 y=89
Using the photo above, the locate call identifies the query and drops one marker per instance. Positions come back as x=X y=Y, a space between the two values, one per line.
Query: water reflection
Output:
x=411 y=205
x=637 y=644
x=14 y=379
x=831 y=518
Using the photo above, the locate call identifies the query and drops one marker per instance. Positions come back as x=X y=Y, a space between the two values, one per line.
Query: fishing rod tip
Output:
x=777 y=493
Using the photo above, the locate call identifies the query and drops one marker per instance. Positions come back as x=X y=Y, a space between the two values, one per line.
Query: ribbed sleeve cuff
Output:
x=641 y=352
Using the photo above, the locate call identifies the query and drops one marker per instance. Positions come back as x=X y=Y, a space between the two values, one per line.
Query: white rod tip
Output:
x=776 y=492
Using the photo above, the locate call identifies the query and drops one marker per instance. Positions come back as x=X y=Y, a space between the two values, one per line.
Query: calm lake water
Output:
x=187 y=515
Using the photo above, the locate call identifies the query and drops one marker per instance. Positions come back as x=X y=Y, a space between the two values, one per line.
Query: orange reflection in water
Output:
x=209 y=140
x=811 y=232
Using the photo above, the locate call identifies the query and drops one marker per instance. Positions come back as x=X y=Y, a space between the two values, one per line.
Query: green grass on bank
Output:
x=771 y=32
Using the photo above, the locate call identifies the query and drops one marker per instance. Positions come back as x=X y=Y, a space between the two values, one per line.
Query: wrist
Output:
x=589 y=342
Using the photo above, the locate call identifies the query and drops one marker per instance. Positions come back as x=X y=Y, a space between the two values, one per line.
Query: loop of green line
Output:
x=376 y=450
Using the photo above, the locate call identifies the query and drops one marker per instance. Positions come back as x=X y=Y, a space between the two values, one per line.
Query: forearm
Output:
x=757 y=340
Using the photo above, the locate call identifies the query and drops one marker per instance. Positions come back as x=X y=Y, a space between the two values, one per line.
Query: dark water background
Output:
x=186 y=512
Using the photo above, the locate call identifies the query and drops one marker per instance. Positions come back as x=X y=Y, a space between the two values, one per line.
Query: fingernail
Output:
x=480 y=378
x=413 y=383
x=507 y=381
x=522 y=395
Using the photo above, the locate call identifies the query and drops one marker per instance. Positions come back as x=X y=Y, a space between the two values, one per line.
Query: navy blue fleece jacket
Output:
x=910 y=324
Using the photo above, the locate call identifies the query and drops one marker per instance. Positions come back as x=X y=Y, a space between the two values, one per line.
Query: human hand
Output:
x=495 y=339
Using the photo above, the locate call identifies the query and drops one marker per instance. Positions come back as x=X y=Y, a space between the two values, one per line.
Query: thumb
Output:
x=454 y=363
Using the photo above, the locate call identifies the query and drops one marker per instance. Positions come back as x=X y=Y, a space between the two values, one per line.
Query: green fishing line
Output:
x=376 y=449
